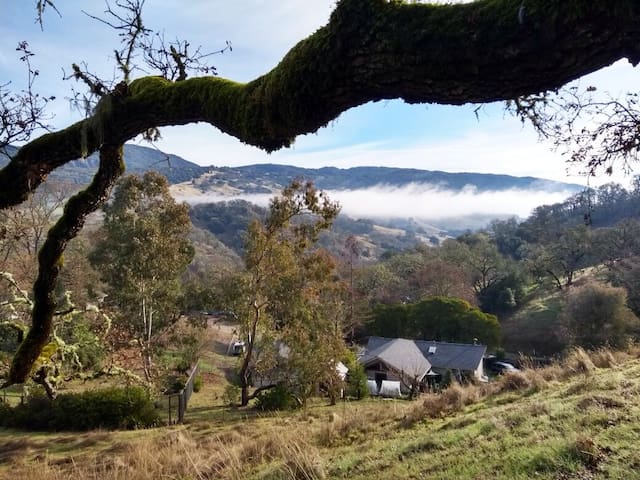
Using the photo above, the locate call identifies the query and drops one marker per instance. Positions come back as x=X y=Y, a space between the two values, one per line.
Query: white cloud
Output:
x=434 y=203
x=420 y=201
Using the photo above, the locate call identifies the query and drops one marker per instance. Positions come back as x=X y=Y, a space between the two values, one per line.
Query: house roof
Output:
x=401 y=355
x=459 y=356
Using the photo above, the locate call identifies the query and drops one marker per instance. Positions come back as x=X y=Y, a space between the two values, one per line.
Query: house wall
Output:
x=390 y=374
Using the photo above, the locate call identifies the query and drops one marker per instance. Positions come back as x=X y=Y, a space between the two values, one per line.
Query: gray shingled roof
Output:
x=401 y=355
x=459 y=356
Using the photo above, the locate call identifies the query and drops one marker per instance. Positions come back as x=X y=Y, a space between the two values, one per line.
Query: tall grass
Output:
x=179 y=455
x=457 y=397
x=294 y=446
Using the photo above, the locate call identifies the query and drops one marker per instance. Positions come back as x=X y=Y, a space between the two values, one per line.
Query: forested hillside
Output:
x=265 y=178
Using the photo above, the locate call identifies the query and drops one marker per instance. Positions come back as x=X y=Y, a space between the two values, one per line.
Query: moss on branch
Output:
x=50 y=259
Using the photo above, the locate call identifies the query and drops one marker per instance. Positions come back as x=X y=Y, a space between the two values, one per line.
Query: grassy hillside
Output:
x=265 y=178
x=575 y=421
x=534 y=328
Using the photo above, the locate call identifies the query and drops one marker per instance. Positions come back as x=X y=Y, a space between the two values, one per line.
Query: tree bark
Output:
x=50 y=259
x=245 y=368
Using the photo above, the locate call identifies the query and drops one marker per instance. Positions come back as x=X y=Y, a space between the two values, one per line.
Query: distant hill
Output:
x=269 y=178
x=203 y=186
x=138 y=160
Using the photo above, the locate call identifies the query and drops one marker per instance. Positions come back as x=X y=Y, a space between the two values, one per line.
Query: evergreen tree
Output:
x=141 y=252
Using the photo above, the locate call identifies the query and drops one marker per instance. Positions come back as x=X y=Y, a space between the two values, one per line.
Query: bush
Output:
x=174 y=384
x=596 y=315
x=277 y=398
x=356 y=381
x=231 y=395
x=197 y=383
x=513 y=381
x=10 y=337
x=113 y=408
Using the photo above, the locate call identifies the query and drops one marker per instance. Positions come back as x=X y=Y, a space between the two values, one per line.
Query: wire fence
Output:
x=174 y=406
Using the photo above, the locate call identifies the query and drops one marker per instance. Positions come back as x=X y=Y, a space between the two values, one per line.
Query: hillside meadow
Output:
x=577 y=420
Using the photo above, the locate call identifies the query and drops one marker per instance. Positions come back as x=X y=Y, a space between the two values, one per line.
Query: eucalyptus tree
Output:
x=290 y=322
x=141 y=252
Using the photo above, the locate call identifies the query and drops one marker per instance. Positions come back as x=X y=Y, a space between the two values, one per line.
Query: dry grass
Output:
x=579 y=361
x=605 y=358
x=451 y=400
x=457 y=397
x=302 y=445
x=354 y=425
x=180 y=455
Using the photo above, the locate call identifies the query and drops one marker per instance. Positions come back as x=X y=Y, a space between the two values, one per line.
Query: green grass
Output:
x=533 y=328
x=559 y=424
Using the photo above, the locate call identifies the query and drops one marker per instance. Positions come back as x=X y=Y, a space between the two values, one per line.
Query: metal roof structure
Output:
x=441 y=355
x=402 y=355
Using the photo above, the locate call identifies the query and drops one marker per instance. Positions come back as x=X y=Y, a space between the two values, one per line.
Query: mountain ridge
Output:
x=270 y=178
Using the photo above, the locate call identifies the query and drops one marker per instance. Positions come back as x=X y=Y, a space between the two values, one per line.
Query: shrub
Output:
x=513 y=381
x=112 y=408
x=356 y=381
x=231 y=395
x=34 y=414
x=597 y=315
x=453 y=399
x=197 y=383
x=182 y=365
x=277 y=398
x=174 y=384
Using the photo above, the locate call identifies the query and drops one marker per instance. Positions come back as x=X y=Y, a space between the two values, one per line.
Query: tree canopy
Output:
x=370 y=50
x=445 y=319
x=141 y=251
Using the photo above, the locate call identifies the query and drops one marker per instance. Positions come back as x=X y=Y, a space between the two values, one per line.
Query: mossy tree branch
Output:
x=370 y=50
x=50 y=259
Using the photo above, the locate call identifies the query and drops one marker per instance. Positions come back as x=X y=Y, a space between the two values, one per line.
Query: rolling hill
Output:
x=408 y=193
x=269 y=178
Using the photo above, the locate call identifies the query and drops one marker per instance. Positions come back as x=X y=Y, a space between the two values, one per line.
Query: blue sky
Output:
x=389 y=133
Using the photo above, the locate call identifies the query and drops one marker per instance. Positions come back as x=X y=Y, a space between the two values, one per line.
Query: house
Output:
x=418 y=363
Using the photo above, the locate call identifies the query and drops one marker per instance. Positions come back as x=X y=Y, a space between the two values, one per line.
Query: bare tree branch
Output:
x=590 y=128
x=22 y=113
x=41 y=6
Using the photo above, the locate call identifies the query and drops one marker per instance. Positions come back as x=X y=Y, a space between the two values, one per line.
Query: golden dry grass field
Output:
x=578 y=420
